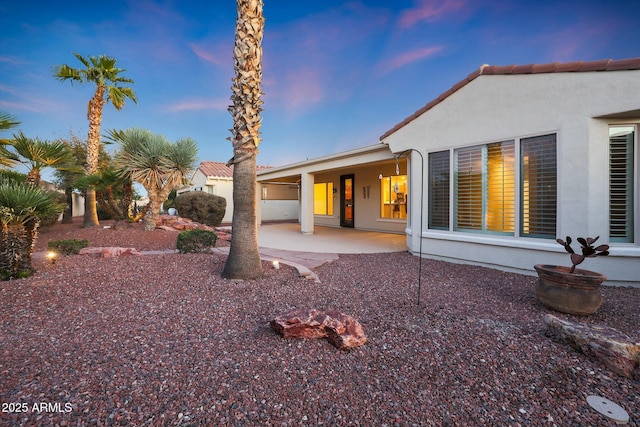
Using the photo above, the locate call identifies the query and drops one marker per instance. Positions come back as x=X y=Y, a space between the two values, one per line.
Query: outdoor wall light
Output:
x=52 y=256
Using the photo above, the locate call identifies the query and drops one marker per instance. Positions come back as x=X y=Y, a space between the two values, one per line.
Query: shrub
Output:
x=201 y=207
x=68 y=247
x=50 y=218
x=196 y=241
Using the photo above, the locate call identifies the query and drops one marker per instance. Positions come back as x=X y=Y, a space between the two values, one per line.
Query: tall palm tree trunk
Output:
x=244 y=257
x=67 y=215
x=127 y=198
x=94 y=114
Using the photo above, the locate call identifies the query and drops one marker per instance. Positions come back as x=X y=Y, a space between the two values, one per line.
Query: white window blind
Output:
x=621 y=154
x=539 y=186
x=501 y=175
x=469 y=188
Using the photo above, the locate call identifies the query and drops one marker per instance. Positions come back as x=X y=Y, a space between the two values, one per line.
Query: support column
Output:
x=259 y=202
x=306 y=200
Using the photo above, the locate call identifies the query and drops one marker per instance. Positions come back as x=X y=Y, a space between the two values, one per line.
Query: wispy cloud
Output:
x=23 y=102
x=12 y=60
x=199 y=104
x=430 y=11
x=304 y=67
x=407 y=58
x=206 y=55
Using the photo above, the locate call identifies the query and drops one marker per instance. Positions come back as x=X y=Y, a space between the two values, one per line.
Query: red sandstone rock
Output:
x=114 y=252
x=342 y=331
x=109 y=252
x=610 y=346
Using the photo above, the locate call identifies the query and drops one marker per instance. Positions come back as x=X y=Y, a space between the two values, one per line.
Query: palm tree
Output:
x=244 y=258
x=154 y=162
x=7 y=158
x=37 y=154
x=101 y=71
x=21 y=207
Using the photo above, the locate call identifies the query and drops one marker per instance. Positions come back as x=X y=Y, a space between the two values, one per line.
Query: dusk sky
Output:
x=336 y=74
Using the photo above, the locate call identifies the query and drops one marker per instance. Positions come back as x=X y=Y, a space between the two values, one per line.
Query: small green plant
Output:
x=196 y=241
x=68 y=247
x=588 y=251
x=7 y=275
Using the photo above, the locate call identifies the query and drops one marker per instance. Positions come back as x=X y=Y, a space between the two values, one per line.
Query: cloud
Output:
x=430 y=11
x=321 y=56
x=206 y=55
x=24 y=101
x=407 y=58
x=12 y=60
x=304 y=88
x=199 y=105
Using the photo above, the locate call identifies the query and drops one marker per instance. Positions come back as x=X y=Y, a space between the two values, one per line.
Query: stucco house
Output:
x=280 y=202
x=504 y=162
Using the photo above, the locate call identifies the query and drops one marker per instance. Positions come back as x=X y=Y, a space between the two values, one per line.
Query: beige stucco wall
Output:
x=367 y=197
x=365 y=163
x=499 y=107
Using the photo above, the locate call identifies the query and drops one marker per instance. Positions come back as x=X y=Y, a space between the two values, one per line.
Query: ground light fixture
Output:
x=421 y=209
x=52 y=256
x=276 y=264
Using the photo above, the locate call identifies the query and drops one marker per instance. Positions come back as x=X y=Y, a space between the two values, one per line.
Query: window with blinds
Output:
x=501 y=189
x=469 y=188
x=439 y=190
x=485 y=187
x=538 y=186
x=621 y=180
x=486 y=191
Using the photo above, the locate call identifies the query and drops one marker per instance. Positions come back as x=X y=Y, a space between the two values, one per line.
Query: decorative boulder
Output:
x=342 y=331
x=109 y=252
x=606 y=344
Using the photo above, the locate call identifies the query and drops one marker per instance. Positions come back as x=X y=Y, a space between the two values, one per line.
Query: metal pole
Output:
x=421 y=212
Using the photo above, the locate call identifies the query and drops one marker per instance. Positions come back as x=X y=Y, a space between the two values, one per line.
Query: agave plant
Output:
x=21 y=207
x=588 y=250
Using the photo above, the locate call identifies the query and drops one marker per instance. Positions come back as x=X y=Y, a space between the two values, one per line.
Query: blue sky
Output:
x=336 y=74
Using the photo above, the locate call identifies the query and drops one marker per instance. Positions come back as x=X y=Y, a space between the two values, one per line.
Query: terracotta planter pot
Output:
x=572 y=293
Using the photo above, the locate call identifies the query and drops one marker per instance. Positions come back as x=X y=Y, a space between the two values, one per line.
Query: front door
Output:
x=347 y=205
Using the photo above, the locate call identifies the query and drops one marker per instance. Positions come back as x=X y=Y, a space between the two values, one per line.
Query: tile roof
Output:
x=554 y=67
x=220 y=169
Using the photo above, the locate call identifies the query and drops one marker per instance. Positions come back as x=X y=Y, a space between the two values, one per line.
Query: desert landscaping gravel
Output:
x=163 y=340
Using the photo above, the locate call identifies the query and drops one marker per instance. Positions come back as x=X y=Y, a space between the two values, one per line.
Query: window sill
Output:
x=393 y=220
x=548 y=245
x=495 y=240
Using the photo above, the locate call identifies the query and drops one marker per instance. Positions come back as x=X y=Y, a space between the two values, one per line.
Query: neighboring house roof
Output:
x=220 y=169
x=554 y=67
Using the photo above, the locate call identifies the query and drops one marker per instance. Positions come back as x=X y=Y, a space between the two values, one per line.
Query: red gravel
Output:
x=163 y=340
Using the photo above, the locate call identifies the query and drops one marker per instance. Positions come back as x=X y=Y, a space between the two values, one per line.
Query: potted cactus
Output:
x=568 y=289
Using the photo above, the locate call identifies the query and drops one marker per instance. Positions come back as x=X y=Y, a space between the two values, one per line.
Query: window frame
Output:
x=634 y=205
x=515 y=204
x=400 y=204
x=328 y=202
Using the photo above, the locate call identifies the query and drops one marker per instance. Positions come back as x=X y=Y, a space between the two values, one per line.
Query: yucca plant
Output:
x=157 y=164
x=21 y=207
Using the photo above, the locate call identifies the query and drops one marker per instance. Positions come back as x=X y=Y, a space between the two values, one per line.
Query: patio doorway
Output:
x=347 y=206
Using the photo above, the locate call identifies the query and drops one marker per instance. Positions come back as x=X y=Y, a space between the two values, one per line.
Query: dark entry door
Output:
x=347 y=205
